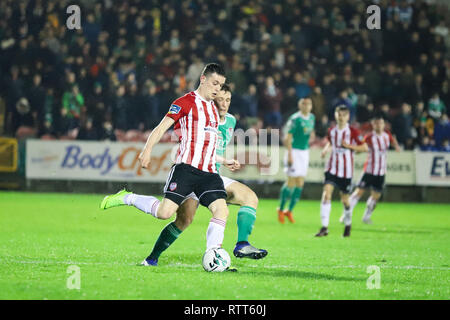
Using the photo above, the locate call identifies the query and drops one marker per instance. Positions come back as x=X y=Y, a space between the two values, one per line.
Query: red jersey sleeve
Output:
x=329 y=135
x=180 y=107
x=367 y=139
x=356 y=136
x=391 y=138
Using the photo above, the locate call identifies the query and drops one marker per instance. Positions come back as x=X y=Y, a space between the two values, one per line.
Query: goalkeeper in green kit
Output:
x=299 y=132
x=237 y=193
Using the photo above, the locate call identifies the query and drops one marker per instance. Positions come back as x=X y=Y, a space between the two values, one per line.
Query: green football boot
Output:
x=114 y=200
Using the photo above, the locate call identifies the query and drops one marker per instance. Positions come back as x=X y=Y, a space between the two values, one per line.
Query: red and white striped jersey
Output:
x=341 y=159
x=378 y=147
x=197 y=120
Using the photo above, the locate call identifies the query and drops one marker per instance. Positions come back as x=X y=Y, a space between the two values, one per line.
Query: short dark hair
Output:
x=378 y=116
x=305 y=98
x=211 y=68
x=226 y=88
x=342 y=107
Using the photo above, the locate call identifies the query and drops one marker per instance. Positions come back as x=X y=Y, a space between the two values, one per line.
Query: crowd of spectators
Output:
x=116 y=76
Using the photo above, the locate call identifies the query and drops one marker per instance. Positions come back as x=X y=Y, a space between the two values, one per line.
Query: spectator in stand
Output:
x=385 y=110
x=48 y=125
x=150 y=106
x=194 y=69
x=436 y=107
x=72 y=103
x=318 y=102
x=134 y=104
x=120 y=109
x=405 y=12
x=427 y=144
x=365 y=113
x=36 y=97
x=322 y=125
x=271 y=104
x=402 y=127
x=88 y=131
x=343 y=99
x=107 y=132
x=250 y=100
x=445 y=146
x=302 y=88
x=289 y=103
x=441 y=130
x=299 y=45
x=22 y=115
x=95 y=105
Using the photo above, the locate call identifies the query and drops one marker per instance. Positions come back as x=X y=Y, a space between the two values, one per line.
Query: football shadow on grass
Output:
x=299 y=274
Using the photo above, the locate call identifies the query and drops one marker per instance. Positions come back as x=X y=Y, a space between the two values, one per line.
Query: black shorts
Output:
x=184 y=179
x=344 y=184
x=376 y=183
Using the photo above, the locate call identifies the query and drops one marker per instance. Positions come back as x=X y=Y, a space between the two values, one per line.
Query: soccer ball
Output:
x=216 y=260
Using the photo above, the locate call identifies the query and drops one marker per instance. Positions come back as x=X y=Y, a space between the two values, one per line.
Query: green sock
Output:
x=296 y=194
x=245 y=220
x=167 y=236
x=285 y=194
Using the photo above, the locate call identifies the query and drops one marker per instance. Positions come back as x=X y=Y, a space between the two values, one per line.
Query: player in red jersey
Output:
x=197 y=119
x=378 y=141
x=343 y=140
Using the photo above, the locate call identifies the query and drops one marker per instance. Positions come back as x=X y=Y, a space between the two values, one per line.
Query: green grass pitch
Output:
x=42 y=235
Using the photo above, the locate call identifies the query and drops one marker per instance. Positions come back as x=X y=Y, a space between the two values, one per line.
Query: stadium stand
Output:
x=115 y=77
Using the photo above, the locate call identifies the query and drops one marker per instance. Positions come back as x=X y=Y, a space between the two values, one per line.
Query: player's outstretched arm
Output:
x=312 y=137
x=395 y=143
x=357 y=148
x=231 y=164
x=325 y=150
x=288 y=144
x=153 y=139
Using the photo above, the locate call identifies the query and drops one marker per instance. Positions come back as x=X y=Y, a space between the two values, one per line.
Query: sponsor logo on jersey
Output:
x=174 y=109
x=211 y=129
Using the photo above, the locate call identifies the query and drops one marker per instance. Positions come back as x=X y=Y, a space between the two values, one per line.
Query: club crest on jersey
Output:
x=173 y=186
x=213 y=123
x=174 y=109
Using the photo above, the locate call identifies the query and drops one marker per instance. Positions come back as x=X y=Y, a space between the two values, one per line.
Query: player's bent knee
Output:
x=376 y=196
x=300 y=182
x=164 y=214
x=182 y=222
x=250 y=199
x=219 y=209
x=326 y=196
x=165 y=211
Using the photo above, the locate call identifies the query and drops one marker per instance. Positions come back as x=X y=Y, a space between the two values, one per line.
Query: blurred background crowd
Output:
x=115 y=78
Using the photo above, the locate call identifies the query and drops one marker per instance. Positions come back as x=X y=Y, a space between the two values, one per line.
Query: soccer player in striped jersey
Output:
x=299 y=131
x=237 y=193
x=343 y=140
x=197 y=118
x=378 y=141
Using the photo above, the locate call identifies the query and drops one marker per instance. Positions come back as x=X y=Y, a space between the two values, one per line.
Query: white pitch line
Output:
x=196 y=266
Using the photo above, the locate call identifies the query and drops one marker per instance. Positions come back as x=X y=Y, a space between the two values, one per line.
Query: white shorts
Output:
x=299 y=167
x=226 y=183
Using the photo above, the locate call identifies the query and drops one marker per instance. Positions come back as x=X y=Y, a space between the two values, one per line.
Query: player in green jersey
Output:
x=238 y=194
x=299 y=131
